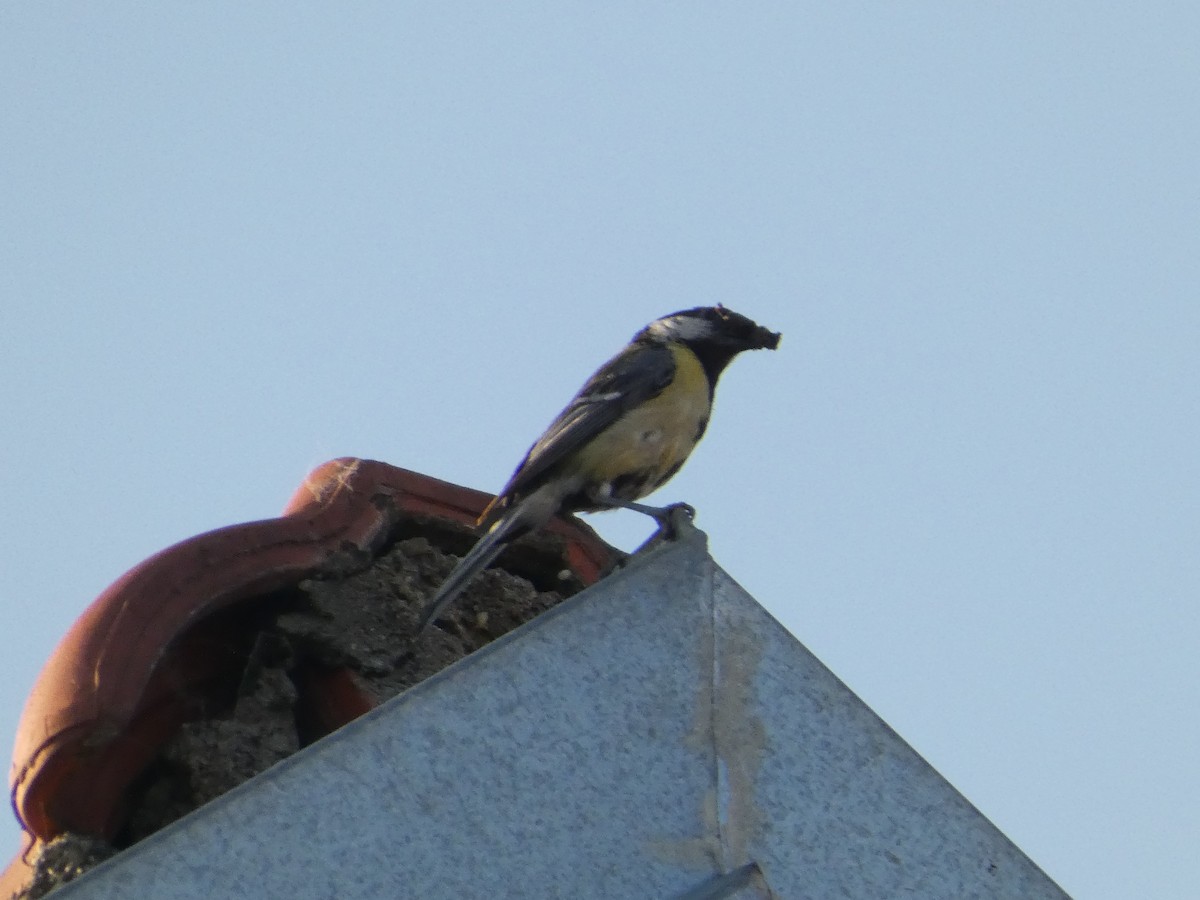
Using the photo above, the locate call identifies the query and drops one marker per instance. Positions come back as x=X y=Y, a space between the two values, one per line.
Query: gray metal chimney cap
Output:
x=649 y=735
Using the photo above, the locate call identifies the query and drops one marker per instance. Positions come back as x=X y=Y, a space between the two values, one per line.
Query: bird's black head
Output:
x=715 y=334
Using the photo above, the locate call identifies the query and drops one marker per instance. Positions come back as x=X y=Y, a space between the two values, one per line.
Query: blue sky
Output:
x=238 y=240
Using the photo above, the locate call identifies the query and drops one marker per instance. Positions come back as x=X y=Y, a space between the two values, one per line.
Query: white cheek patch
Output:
x=682 y=328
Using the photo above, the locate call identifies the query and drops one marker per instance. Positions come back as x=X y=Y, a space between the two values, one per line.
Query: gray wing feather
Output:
x=630 y=378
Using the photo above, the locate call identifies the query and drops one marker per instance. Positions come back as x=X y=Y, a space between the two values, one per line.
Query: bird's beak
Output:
x=762 y=339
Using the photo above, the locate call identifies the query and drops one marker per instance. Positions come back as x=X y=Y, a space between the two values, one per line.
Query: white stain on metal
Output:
x=730 y=736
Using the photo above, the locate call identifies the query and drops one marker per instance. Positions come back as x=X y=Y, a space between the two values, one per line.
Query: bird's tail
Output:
x=478 y=558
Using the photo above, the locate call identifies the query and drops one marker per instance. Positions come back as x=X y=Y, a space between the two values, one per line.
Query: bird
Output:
x=627 y=431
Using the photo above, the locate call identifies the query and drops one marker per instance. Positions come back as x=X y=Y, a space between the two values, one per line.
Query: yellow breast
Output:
x=649 y=443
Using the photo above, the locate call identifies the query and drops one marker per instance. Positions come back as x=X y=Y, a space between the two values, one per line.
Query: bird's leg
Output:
x=672 y=520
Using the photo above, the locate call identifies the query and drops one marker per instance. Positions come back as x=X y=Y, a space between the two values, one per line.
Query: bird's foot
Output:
x=675 y=520
x=667 y=517
x=675 y=523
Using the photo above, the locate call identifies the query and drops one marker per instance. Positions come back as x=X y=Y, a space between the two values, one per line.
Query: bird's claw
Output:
x=675 y=522
x=675 y=519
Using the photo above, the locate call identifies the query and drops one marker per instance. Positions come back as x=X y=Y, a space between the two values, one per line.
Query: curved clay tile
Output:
x=128 y=672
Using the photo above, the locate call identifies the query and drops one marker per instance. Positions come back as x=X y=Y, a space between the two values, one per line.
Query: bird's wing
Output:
x=630 y=378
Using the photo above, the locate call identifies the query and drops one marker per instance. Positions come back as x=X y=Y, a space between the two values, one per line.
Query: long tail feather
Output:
x=478 y=558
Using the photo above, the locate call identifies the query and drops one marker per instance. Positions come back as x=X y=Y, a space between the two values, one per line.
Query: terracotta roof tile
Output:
x=139 y=660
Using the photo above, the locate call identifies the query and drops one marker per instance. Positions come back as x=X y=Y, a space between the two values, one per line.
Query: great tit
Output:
x=626 y=432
